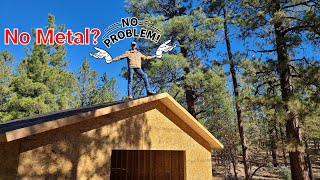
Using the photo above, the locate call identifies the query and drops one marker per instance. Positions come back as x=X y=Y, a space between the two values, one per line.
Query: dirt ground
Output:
x=266 y=173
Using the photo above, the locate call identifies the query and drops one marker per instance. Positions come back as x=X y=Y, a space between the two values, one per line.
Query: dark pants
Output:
x=142 y=74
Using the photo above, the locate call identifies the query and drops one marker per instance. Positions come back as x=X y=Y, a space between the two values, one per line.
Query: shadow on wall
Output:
x=83 y=149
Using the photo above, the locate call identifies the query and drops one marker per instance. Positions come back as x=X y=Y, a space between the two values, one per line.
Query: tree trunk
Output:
x=274 y=153
x=283 y=145
x=190 y=94
x=246 y=163
x=190 y=97
x=309 y=164
x=293 y=129
x=273 y=143
x=235 y=162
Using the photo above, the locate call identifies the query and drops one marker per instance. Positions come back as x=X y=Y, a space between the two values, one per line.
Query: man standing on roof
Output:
x=134 y=65
x=134 y=62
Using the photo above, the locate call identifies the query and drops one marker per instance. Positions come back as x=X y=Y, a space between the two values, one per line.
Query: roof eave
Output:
x=174 y=106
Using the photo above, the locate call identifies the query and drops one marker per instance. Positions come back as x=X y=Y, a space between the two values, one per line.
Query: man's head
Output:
x=133 y=45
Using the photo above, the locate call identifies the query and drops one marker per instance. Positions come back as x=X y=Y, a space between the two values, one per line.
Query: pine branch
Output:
x=199 y=112
x=261 y=166
x=263 y=72
x=304 y=59
x=297 y=4
x=300 y=28
x=177 y=93
x=265 y=51
x=257 y=88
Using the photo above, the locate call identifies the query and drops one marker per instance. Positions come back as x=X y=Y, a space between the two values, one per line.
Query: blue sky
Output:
x=26 y=15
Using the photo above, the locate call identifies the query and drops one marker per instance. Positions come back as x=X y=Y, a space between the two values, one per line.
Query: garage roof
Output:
x=24 y=127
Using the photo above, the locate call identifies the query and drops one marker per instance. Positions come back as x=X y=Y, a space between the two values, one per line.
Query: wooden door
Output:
x=147 y=165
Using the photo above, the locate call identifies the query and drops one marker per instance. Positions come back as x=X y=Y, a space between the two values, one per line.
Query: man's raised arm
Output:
x=146 y=57
x=125 y=55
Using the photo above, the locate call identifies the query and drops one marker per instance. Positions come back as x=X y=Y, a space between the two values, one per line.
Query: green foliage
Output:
x=106 y=90
x=269 y=165
x=92 y=91
x=6 y=75
x=312 y=125
x=285 y=173
x=194 y=32
x=42 y=83
x=220 y=115
x=87 y=79
x=261 y=96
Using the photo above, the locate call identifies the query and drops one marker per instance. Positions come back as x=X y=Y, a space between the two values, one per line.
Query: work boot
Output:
x=151 y=93
x=130 y=97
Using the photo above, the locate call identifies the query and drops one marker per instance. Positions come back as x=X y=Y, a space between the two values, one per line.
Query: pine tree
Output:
x=220 y=115
x=6 y=76
x=195 y=34
x=92 y=91
x=226 y=10
x=43 y=84
x=87 y=79
x=106 y=90
x=265 y=100
x=286 y=24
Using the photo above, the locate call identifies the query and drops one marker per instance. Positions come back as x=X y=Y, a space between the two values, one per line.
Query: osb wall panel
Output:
x=9 y=158
x=83 y=150
x=165 y=134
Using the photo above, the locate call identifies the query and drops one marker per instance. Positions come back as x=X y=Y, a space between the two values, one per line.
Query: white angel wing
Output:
x=101 y=54
x=164 y=48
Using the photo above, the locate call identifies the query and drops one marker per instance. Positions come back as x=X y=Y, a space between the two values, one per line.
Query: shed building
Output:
x=146 y=138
